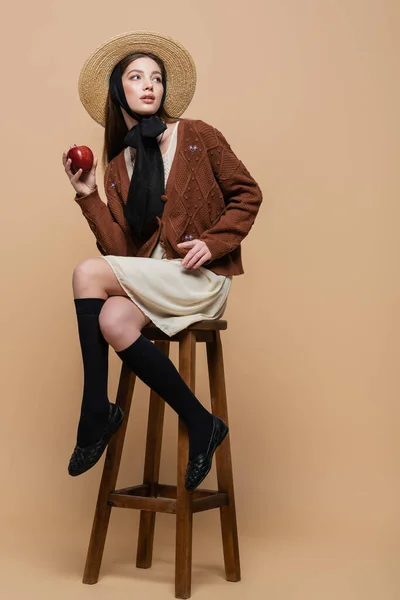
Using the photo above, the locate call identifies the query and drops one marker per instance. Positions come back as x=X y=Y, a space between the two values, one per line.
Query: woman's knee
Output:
x=119 y=315
x=88 y=270
x=95 y=275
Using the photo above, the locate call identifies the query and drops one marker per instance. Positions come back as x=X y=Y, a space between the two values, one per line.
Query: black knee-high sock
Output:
x=95 y=404
x=158 y=372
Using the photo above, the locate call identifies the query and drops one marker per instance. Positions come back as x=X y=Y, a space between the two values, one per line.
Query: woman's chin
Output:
x=146 y=110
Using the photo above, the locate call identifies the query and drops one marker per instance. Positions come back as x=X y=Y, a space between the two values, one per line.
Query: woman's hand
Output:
x=84 y=183
x=197 y=256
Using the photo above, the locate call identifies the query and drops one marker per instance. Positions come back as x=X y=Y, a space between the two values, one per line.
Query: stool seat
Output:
x=152 y=497
x=216 y=325
x=203 y=330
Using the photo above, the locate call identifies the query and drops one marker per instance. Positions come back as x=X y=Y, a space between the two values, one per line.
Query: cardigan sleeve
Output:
x=107 y=221
x=242 y=197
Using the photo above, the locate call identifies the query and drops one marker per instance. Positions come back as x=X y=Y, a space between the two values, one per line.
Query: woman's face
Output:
x=142 y=82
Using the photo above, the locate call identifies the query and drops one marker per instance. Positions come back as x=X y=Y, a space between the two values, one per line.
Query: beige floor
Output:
x=47 y=564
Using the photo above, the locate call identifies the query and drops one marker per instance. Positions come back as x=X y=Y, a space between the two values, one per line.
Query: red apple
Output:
x=81 y=158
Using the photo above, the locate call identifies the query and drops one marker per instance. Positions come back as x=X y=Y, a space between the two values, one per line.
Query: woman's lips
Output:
x=148 y=100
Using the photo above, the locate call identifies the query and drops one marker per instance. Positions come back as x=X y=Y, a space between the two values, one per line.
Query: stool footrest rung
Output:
x=209 y=502
x=157 y=504
x=164 y=501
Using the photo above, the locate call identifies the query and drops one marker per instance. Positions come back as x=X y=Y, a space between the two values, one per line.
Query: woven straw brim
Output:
x=95 y=74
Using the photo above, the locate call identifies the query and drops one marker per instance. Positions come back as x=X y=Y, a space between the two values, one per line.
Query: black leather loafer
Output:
x=83 y=459
x=198 y=469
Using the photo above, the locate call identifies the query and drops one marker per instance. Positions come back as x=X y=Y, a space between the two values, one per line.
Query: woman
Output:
x=179 y=202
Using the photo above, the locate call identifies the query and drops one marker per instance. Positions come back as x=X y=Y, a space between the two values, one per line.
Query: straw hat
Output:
x=179 y=66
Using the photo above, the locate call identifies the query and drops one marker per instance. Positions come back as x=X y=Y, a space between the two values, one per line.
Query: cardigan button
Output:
x=164 y=198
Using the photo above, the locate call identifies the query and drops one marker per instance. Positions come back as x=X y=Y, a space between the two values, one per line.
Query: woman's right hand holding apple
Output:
x=83 y=182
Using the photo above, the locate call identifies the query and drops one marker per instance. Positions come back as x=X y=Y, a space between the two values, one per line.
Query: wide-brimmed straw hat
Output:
x=179 y=65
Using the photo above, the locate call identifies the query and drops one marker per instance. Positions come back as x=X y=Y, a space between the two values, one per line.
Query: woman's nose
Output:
x=147 y=85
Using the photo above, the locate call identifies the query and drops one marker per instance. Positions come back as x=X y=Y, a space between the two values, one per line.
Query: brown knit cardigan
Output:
x=210 y=195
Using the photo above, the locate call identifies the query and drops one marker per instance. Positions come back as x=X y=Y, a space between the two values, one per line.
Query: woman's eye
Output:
x=158 y=79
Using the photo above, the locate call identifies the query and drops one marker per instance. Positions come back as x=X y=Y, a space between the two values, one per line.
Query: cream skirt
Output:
x=172 y=296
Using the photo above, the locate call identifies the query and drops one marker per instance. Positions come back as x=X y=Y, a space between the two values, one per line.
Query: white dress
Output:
x=172 y=296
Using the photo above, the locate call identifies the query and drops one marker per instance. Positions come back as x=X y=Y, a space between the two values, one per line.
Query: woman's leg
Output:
x=93 y=282
x=121 y=323
x=118 y=321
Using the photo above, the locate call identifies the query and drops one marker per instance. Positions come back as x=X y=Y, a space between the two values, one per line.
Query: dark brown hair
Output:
x=115 y=128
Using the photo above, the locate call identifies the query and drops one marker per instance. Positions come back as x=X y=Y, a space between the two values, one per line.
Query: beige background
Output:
x=307 y=92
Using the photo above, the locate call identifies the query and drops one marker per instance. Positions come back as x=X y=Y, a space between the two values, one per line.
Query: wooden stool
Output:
x=152 y=497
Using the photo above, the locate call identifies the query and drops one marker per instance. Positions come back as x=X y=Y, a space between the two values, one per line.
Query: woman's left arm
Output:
x=242 y=197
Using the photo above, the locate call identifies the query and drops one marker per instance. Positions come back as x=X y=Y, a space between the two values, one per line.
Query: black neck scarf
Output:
x=147 y=185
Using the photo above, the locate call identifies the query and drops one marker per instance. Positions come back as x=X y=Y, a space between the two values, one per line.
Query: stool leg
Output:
x=223 y=460
x=151 y=472
x=184 y=512
x=108 y=480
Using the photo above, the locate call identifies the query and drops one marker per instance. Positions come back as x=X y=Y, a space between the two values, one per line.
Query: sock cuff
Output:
x=88 y=306
x=135 y=347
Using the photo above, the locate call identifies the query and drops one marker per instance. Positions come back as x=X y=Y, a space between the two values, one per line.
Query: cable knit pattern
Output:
x=210 y=195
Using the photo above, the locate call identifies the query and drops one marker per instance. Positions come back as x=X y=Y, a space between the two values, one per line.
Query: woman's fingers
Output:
x=202 y=260
x=197 y=250
x=68 y=168
x=75 y=178
x=197 y=260
x=197 y=255
x=193 y=257
x=189 y=255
